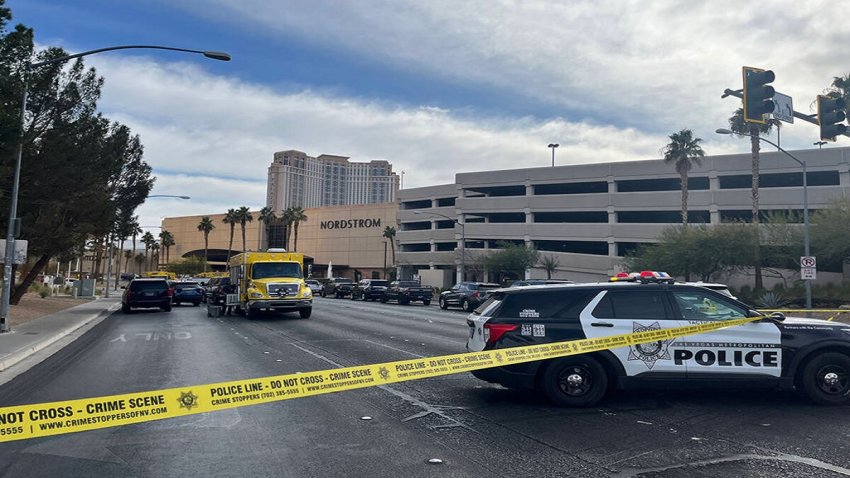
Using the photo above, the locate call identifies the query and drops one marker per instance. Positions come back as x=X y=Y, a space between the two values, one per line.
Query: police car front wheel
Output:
x=575 y=382
x=826 y=379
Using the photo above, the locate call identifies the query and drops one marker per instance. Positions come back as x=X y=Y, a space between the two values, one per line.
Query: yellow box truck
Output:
x=271 y=281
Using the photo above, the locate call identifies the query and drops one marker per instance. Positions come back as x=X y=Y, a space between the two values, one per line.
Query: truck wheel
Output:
x=125 y=308
x=575 y=381
x=305 y=313
x=426 y=302
x=403 y=300
x=443 y=304
x=167 y=308
x=826 y=379
x=465 y=305
x=383 y=299
x=250 y=314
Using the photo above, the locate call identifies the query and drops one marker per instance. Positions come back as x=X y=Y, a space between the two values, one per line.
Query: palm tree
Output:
x=155 y=256
x=243 y=215
x=148 y=240
x=753 y=131
x=230 y=218
x=206 y=226
x=268 y=218
x=684 y=151
x=286 y=218
x=140 y=259
x=167 y=240
x=135 y=230
x=297 y=216
x=550 y=263
x=127 y=256
x=389 y=233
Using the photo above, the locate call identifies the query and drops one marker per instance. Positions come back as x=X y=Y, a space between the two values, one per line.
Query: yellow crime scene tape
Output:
x=70 y=416
x=835 y=312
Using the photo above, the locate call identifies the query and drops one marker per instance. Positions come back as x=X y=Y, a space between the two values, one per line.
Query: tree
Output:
x=243 y=216
x=702 y=250
x=148 y=240
x=550 y=264
x=286 y=219
x=154 y=265
x=389 y=234
x=512 y=260
x=135 y=230
x=840 y=88
x=230 y=218
x=753 y=131
x=268 y=218
x=82 y=158
x=831 y=228
x=140 y=259
x=684 y=151
x=166 y=239
x=187 y=266
x=206 y=226
x=128 y=255
x=297 y=216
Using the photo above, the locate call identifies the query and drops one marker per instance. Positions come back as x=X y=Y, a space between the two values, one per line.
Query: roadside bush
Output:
x=45 y=292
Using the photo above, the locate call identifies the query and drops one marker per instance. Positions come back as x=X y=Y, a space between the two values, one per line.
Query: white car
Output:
x=315 y=286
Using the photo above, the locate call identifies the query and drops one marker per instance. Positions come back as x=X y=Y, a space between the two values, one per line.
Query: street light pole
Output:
x=806 y=244
x=819 y=144
x=8 y=279
x=553 y=146
x=462 y=240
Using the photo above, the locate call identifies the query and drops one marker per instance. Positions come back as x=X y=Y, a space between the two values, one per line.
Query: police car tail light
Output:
x=494 y=332
x=171 y=292
x=476 y=295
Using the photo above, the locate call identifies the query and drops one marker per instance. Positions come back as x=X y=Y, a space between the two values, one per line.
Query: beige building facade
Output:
x=348 y=238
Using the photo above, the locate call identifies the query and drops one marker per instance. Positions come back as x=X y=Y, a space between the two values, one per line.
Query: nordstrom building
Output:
x=588 y=216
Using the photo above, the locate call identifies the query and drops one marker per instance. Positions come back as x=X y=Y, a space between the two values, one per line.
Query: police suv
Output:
x=809 y=355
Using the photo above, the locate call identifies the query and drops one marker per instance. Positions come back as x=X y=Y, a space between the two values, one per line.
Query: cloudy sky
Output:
x=435 y=87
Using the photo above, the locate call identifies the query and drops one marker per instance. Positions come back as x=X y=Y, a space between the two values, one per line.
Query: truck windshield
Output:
x=265 y=270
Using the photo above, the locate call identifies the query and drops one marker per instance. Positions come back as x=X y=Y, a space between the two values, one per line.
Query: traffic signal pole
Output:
x=813 y=119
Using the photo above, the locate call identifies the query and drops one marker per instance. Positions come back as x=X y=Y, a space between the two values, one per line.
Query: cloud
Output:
x=657 y=66
x=212 y=138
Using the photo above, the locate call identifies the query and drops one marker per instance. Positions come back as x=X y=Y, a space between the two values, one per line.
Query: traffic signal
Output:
x=758 y=95
x=830 y=116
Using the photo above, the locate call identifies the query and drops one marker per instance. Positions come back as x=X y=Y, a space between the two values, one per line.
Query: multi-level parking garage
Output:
x=589 y=215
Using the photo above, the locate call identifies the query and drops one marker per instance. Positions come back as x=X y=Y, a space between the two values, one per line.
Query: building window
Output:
x=575 y=216
x=497 y=244
x=446 y=202
x=598 y=248
x=780 y=180
x=445 y=246
x=475 y=244
x=499 y=217
x=662 y=217
x=660 y=184
x=424 y=204
x=571 y=188
x=624 y=248
x=416 y=226
x=500 y=191
x=746 y=215
x=445 y=224
x=416 y=247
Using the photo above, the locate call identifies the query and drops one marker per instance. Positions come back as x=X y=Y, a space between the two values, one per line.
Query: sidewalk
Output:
x=29 y=338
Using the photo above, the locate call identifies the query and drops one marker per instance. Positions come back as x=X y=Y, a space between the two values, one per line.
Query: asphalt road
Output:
x=475 y=428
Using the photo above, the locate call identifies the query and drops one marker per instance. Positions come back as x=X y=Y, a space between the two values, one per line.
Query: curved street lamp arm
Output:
x=215 y=55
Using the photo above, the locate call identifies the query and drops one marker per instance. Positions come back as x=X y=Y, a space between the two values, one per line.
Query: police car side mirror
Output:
x=778 y=316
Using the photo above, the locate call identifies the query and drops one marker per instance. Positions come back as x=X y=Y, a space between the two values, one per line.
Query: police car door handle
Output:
x=601 y=324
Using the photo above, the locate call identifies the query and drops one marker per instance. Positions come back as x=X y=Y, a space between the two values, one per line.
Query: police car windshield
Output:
x=266 y=270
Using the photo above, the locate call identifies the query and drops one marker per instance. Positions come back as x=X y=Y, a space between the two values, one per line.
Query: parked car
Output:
x=338 y=287
x=407 y=291
x=187 y=291
x=315 y=286
x=147 y=293
x=369 y=289
x=528 y=282
x=467 y=295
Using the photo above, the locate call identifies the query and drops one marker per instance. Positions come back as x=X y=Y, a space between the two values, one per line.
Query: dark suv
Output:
x=771 y=352
x=466 y=295
x=369 y=289
x=153 y=292
x=338 y=287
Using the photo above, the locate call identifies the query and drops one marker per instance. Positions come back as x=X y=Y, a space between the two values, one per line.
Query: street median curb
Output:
x=28 y=350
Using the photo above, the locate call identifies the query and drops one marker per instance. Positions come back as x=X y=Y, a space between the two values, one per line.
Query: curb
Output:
x=22 y=354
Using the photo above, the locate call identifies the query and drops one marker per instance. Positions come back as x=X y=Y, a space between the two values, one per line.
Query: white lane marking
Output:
x=427 y=409
x=394 y=348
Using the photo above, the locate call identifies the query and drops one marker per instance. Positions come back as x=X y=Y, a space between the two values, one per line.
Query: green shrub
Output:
x=45 y=292
x=773 y=299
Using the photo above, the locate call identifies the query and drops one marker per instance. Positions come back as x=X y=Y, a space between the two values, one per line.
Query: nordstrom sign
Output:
x=350 y=224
